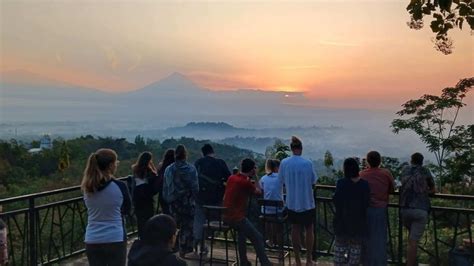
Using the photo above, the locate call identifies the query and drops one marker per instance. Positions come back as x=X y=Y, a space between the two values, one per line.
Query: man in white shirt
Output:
x=298 y=176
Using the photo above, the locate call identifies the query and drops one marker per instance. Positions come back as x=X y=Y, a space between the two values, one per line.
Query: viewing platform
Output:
x=48 y=228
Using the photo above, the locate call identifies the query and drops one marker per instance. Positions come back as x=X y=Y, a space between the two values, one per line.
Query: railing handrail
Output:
x=434 y=196
x=44 y=193
x=32 y=228
x=328 y=187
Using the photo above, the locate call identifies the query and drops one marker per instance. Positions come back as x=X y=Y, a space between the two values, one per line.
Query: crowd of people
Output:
x=360 y=199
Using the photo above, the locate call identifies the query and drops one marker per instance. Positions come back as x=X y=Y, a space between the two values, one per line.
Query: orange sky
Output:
x=329 y=49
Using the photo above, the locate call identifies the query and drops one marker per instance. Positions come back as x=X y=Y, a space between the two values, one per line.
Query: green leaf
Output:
x=435 y=26
x=445 y=4
x=426 y=10
x=438 y=16
x=464 y=10
x=470 y=20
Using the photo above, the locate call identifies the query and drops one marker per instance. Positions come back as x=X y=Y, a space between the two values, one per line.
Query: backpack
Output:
x=169 y=186
x=210 y=189
x=414 y=185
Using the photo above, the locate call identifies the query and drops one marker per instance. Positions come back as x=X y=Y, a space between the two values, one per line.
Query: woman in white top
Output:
x=272 y=190
x=107 y=200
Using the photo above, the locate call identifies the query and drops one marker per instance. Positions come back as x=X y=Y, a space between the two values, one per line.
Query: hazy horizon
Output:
x=358 y=54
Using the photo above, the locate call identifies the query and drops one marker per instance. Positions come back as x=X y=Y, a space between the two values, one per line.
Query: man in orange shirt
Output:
x=237 y=193
x=381 y=184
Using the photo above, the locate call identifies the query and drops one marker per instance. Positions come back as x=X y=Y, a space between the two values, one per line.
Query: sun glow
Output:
x=288 y=89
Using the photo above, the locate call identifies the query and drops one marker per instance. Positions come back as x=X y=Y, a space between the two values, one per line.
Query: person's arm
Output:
x=127 y=201
x=158 y=167
x=281 y=175
x=226 y=173
x=258 y=189
x=337 y=193
x=194 y=183
x=367 y=196
x=430 y=182
x=153 y=183
x=152 y=167
x=391 y=182
x=314 y=176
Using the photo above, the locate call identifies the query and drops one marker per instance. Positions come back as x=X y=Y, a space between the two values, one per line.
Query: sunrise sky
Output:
x=329 y=49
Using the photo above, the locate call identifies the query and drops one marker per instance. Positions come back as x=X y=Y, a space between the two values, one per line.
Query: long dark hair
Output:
x=142 y=167
x=168 y=158
x=351 y=168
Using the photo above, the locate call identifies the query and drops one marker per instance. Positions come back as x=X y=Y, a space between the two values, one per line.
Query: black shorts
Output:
x=303 y=218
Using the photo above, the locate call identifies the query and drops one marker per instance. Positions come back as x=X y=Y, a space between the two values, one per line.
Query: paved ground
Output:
x=218 y=253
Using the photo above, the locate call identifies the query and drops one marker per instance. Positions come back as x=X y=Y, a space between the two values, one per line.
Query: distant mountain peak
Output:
x=172 y=83
x=177 y=75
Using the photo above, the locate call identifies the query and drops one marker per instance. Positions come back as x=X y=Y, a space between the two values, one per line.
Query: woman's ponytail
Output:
x=97 y=172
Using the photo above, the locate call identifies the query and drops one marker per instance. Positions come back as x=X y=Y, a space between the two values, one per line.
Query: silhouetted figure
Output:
x=145 y=188
x=156 y=247
x=238 y=191
x=212 y=175
x=180 y=190
x=107 y=200
x=351 y=200
x=298 y=176
x=381 y=184
x=272 y=190
x=168 y=159
x=417 y=184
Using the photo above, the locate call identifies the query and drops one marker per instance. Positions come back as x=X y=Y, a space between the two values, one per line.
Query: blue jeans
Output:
x=246 y=230
x=376 y=246
x=199 y=220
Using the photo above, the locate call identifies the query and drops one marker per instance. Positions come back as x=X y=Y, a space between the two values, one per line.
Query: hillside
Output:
x=23 y=173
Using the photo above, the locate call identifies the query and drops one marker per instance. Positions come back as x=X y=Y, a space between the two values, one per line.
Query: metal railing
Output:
x=49 y=227
x=448 y=227
x=45 y=228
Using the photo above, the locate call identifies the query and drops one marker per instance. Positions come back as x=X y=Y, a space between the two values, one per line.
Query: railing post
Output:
x=32 y=233
x=315 y=225
x=400 y=233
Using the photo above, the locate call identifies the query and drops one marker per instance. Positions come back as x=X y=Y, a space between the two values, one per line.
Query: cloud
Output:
x=338 y=44
x=299 y=67
x=111 y=56
x=138 y=60
x=59 y=58
x=222 y=81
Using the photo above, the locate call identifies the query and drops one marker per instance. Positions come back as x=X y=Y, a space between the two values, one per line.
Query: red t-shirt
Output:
x=236 y=197
x=380 y=183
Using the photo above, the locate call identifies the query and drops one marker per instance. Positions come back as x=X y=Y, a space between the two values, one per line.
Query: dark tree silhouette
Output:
x=446 y=15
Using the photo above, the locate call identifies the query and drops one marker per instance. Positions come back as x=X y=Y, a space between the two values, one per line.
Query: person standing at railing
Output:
x=272 y=190
x=351 y=200
x=417 y=184
x=168 y=159
x=180 y=190
x=212 y=175
x=144 y=189
x=298 y=176
x=237 y=194
x=107 y=200
x=381 y=184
